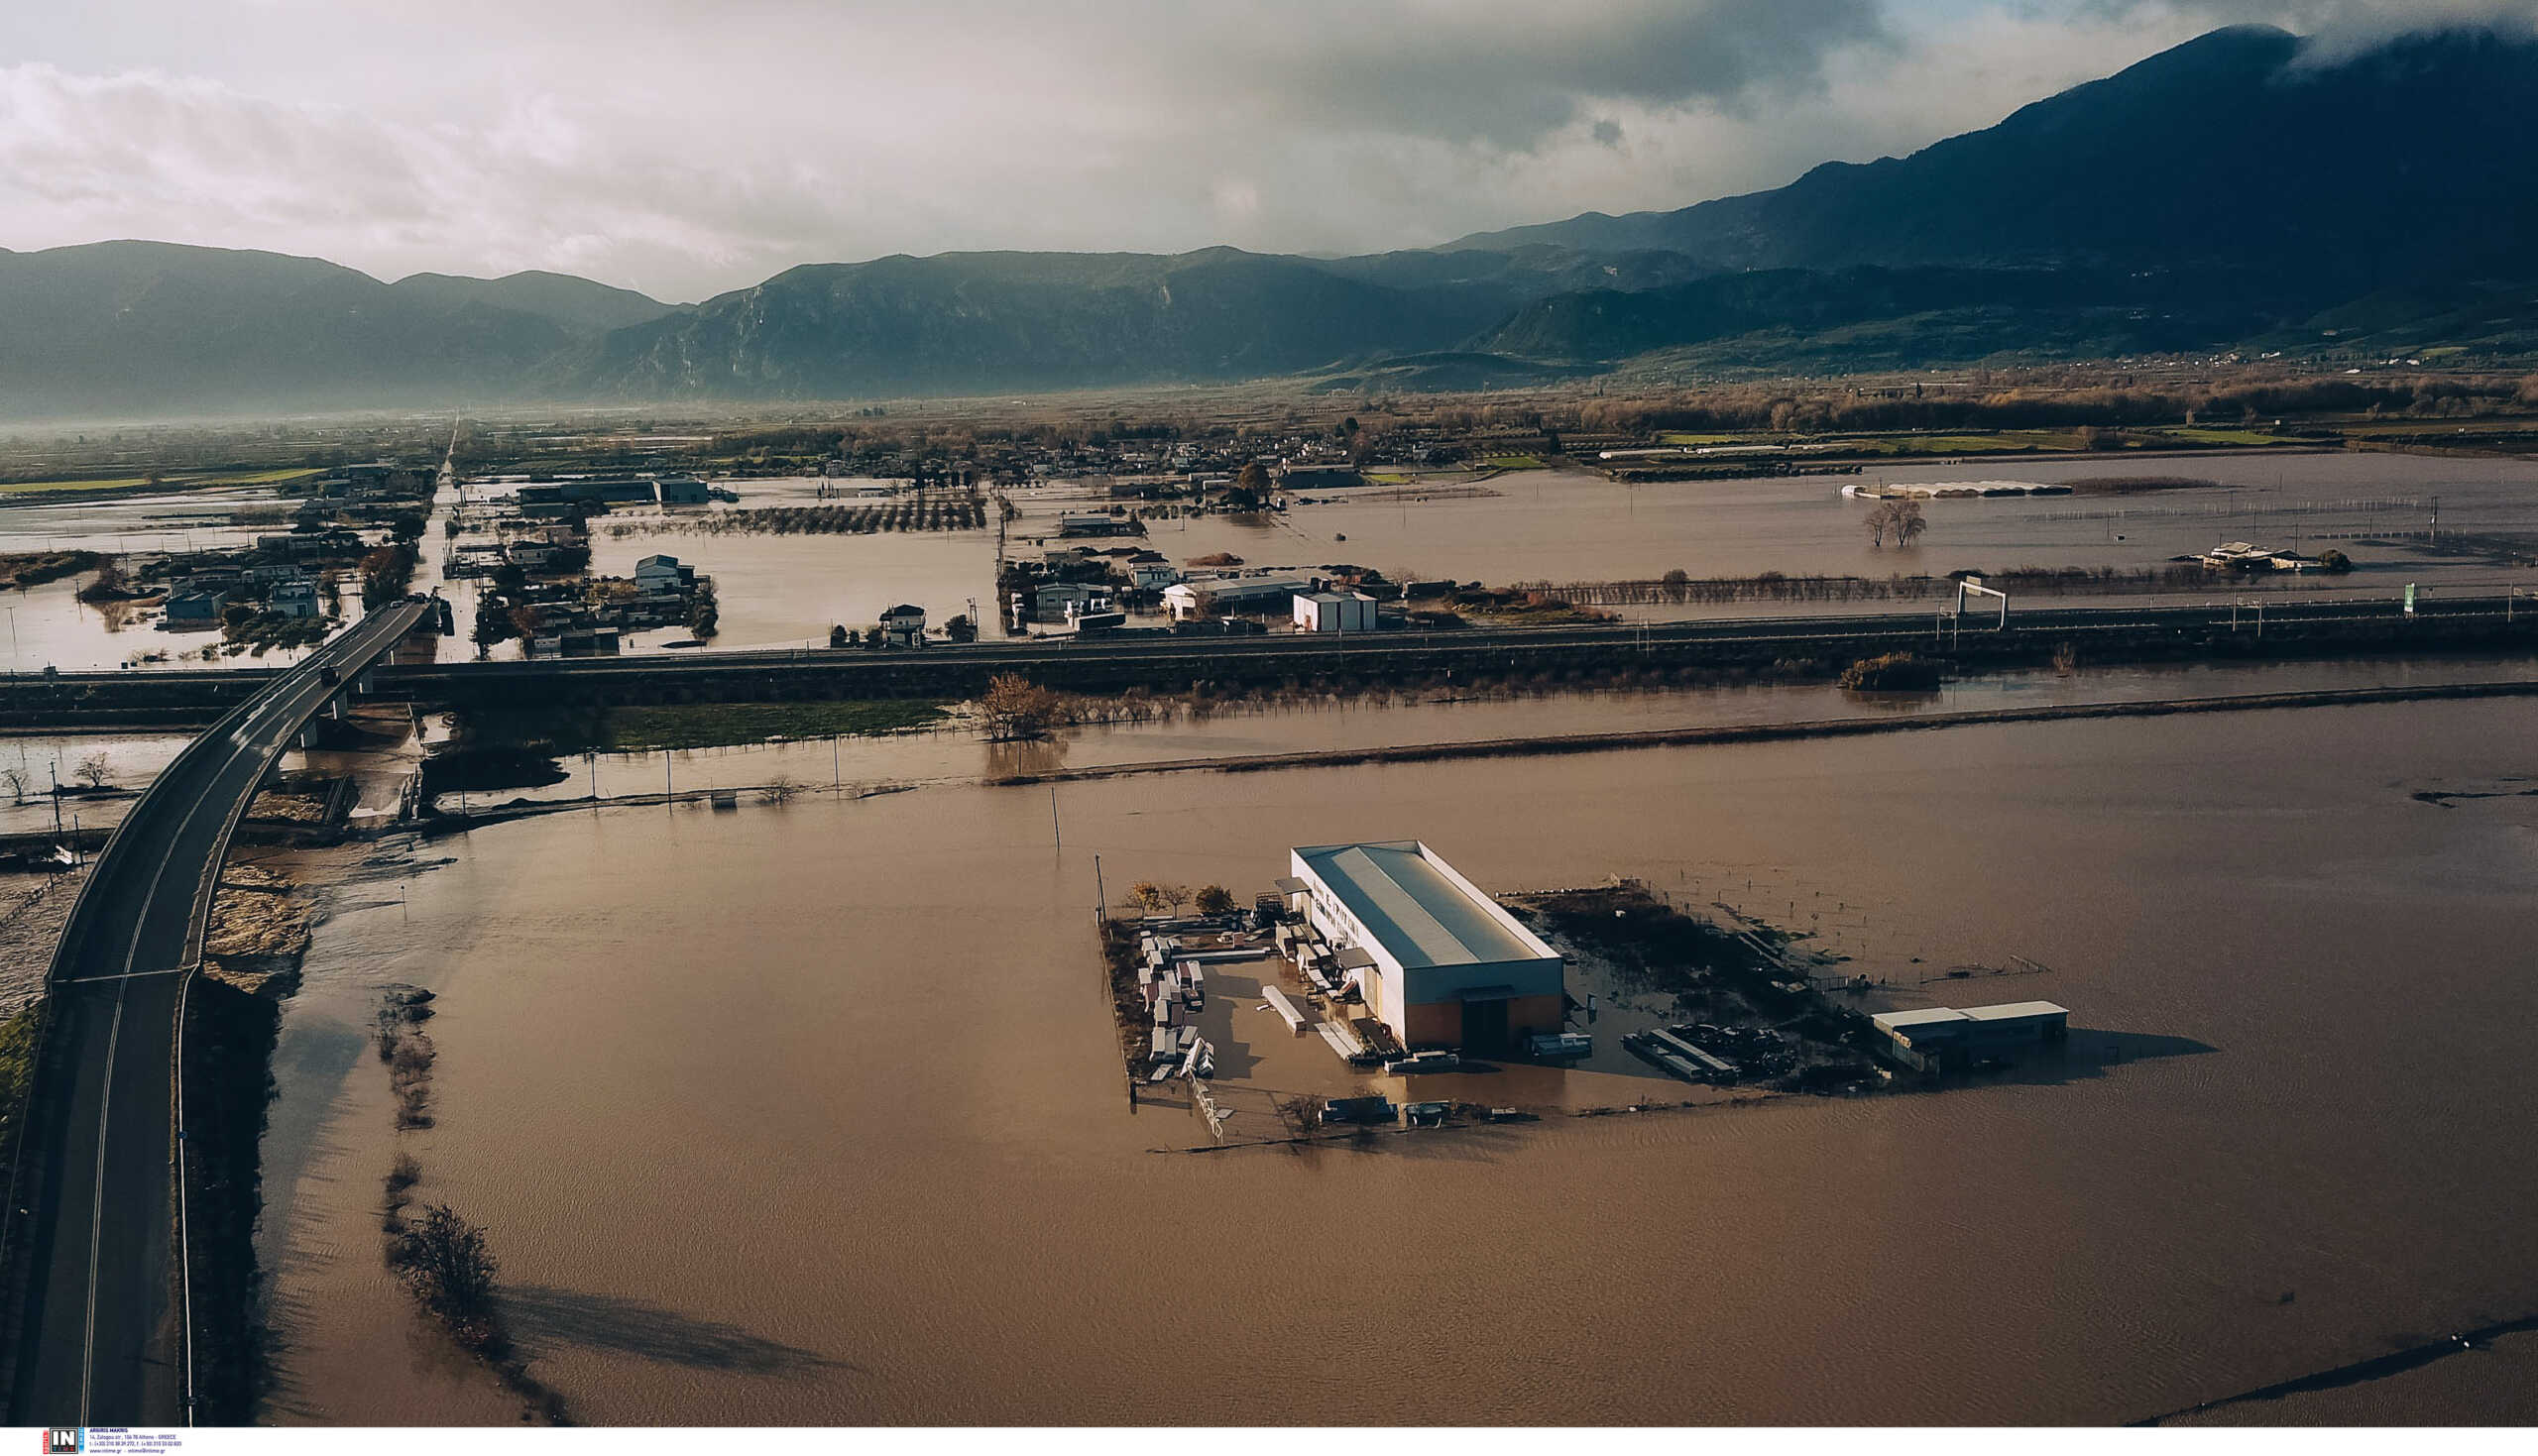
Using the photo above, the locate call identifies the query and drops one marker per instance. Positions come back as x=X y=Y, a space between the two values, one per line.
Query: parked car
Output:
x=1423 y=1061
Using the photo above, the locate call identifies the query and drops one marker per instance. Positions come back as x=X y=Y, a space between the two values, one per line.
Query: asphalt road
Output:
x=99 y=1342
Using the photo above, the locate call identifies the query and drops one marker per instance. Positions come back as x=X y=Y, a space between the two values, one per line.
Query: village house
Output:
x=295 y=599
x=903 y=626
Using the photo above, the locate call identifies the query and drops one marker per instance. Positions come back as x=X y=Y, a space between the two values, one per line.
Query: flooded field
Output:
x=958 y=751
x=1543 y=525
x=812 y=1112
x=1524 y=525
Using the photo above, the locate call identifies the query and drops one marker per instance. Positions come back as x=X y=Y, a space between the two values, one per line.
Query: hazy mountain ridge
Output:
x=575 y=304
x=2231 y=150
x=1021 y=320
x=145 y=327
x=2238 y=189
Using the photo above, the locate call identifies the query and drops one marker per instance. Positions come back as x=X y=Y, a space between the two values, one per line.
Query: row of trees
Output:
x=94 y=771
x=1155 y=897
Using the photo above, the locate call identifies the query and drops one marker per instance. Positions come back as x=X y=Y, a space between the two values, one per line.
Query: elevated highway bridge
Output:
x=91 y=1239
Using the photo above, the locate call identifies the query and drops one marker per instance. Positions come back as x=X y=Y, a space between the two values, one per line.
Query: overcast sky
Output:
x=685 y=147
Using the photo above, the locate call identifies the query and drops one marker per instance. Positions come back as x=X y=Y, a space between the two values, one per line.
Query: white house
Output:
x=293 y=597
x=657 y=574
x=1067 y=601
x=903 y=626
x=1335 y=611
x=1438 y=961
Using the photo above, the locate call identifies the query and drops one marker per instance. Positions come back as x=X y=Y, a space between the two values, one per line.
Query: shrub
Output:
x=1891 y=673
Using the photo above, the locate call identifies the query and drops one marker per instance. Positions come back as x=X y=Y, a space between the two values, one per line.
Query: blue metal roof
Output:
x=1419 y=915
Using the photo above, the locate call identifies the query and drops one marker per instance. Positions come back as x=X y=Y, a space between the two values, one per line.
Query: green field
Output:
x=119 y=484
x=2004 y=442
x=2202 y=437
x=1513 y=462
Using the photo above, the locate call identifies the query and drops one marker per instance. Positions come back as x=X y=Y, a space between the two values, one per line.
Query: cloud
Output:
x=685 y=147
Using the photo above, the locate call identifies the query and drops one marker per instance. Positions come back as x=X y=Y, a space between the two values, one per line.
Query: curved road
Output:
x=98 y=1339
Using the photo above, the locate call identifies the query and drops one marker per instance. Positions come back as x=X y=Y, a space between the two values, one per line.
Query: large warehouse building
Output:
x=1448 y=966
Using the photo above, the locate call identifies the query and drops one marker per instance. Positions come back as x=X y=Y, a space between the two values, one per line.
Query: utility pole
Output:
x=1101 y=899
x=591 y=759
x=837 y=769
x=56 y=800
x=1056 y=838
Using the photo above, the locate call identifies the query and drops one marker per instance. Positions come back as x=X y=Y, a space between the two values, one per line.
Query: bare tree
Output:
x=1901 y=519
x=1881 y=520
x=18 y=781
x=1014 y=706
x=94 y=771
x=779 y=789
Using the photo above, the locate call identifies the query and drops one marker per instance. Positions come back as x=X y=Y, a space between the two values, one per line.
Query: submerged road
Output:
x=98 y=1339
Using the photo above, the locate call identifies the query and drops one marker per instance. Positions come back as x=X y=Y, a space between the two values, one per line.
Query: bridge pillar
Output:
x=338 y=705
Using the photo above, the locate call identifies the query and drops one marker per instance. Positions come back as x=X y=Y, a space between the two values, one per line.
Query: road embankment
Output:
x=1833 y=727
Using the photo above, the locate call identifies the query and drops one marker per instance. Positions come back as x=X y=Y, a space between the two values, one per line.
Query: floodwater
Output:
x=955 y=750
x=812 y=1113
x=1527 y=525
x=1557 y=527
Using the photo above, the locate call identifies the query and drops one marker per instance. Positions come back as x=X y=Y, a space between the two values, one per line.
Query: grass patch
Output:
x=691 y=725
x=1513 y=462
x=18 y=1038
x=2005 y=442
x=35 y=568
x=2204 y=436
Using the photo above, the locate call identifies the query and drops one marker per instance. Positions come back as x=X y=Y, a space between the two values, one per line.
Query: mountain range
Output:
x=2242 y=190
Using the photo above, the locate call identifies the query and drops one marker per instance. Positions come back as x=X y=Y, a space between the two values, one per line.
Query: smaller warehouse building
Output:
x=1944 y=1039
x=1201 y=597
x=1438 y=961
x=1335 y=611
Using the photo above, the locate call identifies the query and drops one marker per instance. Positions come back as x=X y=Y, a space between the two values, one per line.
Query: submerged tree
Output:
x=1014 y=706
x=1903 y=519
x=443 y=1260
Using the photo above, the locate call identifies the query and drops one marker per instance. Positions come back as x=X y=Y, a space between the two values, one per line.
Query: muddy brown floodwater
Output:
x=812 y=1113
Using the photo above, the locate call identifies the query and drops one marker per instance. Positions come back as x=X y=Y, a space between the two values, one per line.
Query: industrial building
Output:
x=1189 y=600
x=1438 y=961
x=1335 y=611
x=1944 y=1039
